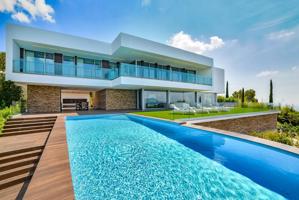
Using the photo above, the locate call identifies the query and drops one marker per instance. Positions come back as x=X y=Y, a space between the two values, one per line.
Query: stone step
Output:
x=42 y=130
x=34 y=127
x=29 y=124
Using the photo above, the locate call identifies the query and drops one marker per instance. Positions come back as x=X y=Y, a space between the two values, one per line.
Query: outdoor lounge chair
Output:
x=179 y=108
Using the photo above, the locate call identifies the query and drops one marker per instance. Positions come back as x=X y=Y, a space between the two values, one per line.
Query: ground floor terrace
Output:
x=52 y=177
x=44 y=99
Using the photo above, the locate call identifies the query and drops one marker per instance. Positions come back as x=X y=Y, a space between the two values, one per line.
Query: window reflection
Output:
x=155 y=99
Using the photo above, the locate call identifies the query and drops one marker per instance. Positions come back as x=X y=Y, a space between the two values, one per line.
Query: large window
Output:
x=155 y=99
x=207 y=99
x=187 y=97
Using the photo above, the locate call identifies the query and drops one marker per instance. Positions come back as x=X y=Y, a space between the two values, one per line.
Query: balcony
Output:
x=43 y=67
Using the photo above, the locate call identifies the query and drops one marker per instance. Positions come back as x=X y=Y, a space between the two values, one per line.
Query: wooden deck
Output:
x=52 y=177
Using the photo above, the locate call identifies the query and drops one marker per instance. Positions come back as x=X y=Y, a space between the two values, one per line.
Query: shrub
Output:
x=275 y=136
x=6 y=113
x=289 y=115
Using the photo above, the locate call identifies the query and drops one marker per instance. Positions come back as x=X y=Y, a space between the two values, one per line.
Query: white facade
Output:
x=135 y=63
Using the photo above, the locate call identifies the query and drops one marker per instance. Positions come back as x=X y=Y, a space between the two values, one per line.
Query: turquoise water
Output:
x=116 y=158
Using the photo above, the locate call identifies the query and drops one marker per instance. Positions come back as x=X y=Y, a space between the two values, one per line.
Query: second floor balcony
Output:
x=93 y=71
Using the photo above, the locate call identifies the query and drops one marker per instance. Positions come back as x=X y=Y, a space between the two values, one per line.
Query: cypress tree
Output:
x=242 y=96
x=271 y=92
x=227 y=93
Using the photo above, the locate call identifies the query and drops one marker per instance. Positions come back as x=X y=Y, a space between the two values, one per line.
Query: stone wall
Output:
x=43 y=99
x=99 y=100
x=244 y=124
x=115 y=99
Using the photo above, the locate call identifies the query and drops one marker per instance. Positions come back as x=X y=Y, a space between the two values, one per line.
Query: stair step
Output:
x=9 y=130
x=17 y=171
x=18 y=163
x=15 y=180
x=20 y=156
x=29 y=124
x=20 y=151
x=43 y=130
x=29 y=121
x=31 y=118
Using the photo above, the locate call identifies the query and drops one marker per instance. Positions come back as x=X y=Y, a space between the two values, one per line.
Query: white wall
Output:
x=36 y=36
x=218 y=80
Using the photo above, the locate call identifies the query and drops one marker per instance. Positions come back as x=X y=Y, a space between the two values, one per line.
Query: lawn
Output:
x=167 y=114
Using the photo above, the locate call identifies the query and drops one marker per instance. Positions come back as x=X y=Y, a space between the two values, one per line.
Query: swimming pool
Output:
x=130 y=157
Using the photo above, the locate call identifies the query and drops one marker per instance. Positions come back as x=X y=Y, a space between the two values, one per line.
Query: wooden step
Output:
x=42 y=130
x=10 y=130
x=20 y=156
x=29 y=124
x=29 y=121
x=15 y=180
x=31 y=118
x=18 y=163
x=12 y=192
x=17 y=171
x=19 y=151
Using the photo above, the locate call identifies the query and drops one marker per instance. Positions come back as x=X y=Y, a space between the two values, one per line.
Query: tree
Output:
x=2 y=61
x=242 y=96
x=237 y=94
x=227 y=92
x=9 y=92
x=250 y=95
x=271 y=92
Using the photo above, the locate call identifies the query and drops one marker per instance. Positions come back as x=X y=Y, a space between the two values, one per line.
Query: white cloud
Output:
x=145 y=3
x=280 y=35
x=34 y=8
x=294 y=68
x=185 y=41
x=7 y=5
x=21 y=17
x=267 y=73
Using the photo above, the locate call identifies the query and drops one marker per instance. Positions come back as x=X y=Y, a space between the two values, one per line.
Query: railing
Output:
x=98 y=72
x=64 y=69
x=138 y=71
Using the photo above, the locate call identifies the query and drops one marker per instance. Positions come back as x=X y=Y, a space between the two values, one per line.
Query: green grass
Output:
x=167 y=114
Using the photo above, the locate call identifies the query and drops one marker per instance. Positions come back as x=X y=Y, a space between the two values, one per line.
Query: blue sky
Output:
x=253 y=41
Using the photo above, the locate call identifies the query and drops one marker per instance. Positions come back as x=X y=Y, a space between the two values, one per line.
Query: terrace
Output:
x=96 y=70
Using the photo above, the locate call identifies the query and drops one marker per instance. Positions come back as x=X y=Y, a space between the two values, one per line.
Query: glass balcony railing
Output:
x=98 y=72
x=138 y=71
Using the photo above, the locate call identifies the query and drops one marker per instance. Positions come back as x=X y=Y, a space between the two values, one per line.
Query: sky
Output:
x=253 y=40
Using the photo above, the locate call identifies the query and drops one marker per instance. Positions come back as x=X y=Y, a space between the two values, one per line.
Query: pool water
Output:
x=129 y=157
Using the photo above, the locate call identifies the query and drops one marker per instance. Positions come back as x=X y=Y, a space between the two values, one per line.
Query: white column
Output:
x=168 y=97
x=142 y=99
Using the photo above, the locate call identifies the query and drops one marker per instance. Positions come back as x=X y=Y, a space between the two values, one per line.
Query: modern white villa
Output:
x=61 y=72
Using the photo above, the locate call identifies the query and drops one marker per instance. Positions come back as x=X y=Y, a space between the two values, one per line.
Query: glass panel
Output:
x=187 y=97
x=155 y=99
x=49 y=67
x=68 y=66
x=176 y=97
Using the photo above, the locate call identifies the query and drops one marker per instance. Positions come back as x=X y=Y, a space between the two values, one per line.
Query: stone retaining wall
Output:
x=43 y=99
x=244 y=124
